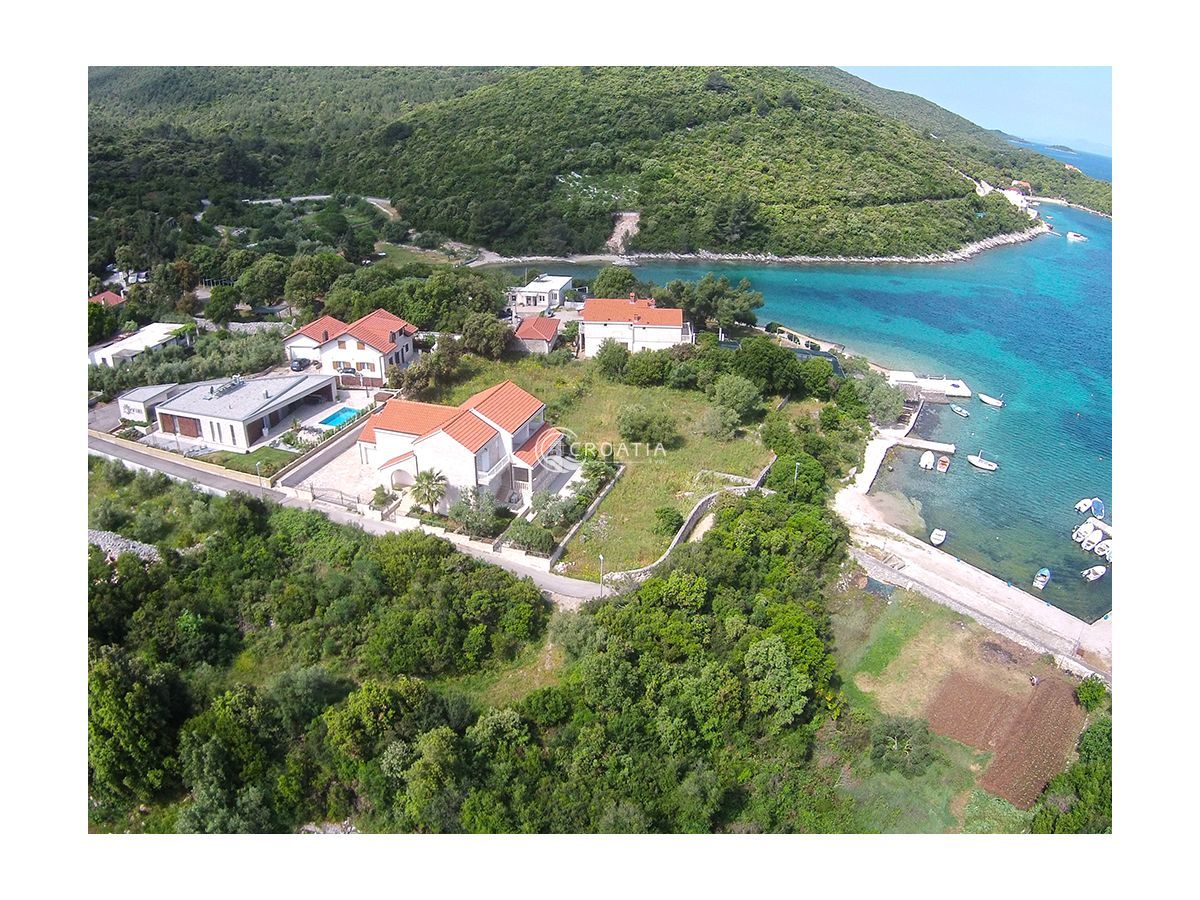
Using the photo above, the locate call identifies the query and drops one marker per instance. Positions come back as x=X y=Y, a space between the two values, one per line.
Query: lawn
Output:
x=272 y=460
x=578 y=398
x=534 y=668
x=397 y=255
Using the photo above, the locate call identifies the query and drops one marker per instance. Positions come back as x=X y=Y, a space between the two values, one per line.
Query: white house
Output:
x=235 y=413
x=638 y=324
x=152 y=337
x=138 y=405
x=498 y=440
x=368 y=346
x=545 y=291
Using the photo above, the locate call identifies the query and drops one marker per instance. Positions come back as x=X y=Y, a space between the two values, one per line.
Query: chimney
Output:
x=266 y=394
x=632 y=296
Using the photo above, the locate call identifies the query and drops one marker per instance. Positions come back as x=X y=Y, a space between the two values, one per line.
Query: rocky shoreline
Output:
x=487 y=258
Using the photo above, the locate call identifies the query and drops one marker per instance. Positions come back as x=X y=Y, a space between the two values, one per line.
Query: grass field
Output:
x=580 y=399
x=272 y=460
x=397 y=255
x=536 y=667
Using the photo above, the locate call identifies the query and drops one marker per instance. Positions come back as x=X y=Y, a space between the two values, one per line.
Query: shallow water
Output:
x=1032 y=321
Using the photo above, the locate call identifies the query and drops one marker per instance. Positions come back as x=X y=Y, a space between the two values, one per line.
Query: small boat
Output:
x=1041 y=578
x=926 y=460
x=1082 y=531
x=1084 y=505
x=992 y=401
x=958 y=410
x=1103 y=547
x=1098 y=508
x=938 y=537
x=1089 y=543
x=943 y=464
x=979 y=462
x=1075 y=236
x=1108 y=554
x=1094 y=573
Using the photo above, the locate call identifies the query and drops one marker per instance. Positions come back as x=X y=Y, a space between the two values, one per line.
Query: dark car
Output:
x=346 y=370
x=300 y=364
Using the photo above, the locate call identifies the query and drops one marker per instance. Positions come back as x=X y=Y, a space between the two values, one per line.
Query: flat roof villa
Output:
x=129 y=348
x=545 y=290
x=237 y=413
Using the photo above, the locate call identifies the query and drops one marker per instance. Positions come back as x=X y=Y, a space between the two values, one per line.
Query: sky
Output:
x=1049 y=104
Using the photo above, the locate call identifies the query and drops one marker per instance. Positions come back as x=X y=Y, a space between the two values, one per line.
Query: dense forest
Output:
x=751 y=159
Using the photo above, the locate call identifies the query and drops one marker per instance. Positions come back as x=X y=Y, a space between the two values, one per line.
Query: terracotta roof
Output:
x=108 y=298
x=407 y=417
x=640 y=312
x=539 y=444
x=505 y=404
x=538 y=328
x=376 y=329
x=396 y=459
x=469 y=430
x=318 y=328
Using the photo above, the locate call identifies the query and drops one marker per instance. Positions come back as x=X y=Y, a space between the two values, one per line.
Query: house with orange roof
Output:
x=359 y=353
x=637 y=324
x=538 y=334
x=497 y=440
x=107 y=298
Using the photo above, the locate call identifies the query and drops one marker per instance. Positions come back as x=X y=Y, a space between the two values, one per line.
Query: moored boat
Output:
x=979 y=462
x=1041 y=578
x=1082 y=531
x=1089 y=543
x=1098 y=508
x=926 y=460
x=1108 y=554
x=992 y=401
x=958 y=410
x=938 y=537
x=1094 y=573
x=1103 y=547
x=943 y=463
x=1084 y=505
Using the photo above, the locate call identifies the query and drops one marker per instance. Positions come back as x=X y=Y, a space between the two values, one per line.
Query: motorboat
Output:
x=1075 y=237
x=1094 y=573
x=1084 y=505
x=926 y=460
x=958 y=410
x=1041 y=578
x=1098 y=508
x=979 y=462
x=1082 y=531
x=992 y=401
x=1089 y=543
x=943 y=464
x=1103 y=547
x=938 y=537
x=1108 y=554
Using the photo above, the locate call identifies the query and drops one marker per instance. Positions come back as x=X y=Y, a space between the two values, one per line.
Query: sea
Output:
x=1091 y=164
x=1029 y=321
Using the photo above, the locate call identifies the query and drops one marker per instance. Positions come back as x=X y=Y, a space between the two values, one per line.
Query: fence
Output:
x=179 y=459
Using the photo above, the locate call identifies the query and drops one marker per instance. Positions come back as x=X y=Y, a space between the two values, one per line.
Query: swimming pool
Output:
x=341 y=417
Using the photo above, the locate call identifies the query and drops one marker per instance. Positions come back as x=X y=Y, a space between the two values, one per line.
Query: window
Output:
x=341 y=345
x=362 y=346
x=361 y=366
x=370 y=367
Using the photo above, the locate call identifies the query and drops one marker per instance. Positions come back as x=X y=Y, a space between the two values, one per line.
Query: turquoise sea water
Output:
x=1031 y=321
x=1092 y=164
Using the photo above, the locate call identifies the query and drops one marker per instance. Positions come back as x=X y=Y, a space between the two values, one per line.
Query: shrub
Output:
x=719 y=422
x=1091 y=693
x=667 y=520
x=738 y=394
x=611 y=359
x=901 y=744
x=636 y=423
x=382 y=497
x=530 y=536
x=647 y=368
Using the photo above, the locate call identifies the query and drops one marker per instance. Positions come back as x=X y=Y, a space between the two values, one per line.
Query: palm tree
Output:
x=428 y=488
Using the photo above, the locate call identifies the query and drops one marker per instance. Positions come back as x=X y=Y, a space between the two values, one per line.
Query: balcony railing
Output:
x=488 y=475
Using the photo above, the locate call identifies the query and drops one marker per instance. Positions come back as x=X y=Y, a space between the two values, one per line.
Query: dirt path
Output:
x=626 y=227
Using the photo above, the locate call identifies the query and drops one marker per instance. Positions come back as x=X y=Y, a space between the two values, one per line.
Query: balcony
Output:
x=487 y=476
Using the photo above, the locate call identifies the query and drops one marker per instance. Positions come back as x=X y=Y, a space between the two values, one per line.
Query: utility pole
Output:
x=258 y=469
x=601 y=575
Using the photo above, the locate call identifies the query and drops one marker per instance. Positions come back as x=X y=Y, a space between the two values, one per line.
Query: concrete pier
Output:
x=921 y=444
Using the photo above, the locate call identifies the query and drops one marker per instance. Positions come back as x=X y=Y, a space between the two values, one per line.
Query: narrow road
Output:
x=212 y=483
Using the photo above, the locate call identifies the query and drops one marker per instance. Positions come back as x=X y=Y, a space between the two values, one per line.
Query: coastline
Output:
x=488 y=258
x=1057 y=202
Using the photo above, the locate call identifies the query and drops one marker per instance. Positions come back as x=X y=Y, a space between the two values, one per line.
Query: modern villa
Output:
x=153 y=337
x=638 y=324
x=367 y=347
x=545 y=291
x=498 y=440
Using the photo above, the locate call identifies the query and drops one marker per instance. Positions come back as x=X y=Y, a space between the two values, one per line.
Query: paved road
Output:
x=567 y=593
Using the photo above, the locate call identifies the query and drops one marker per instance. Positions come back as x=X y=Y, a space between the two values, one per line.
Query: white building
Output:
x=638 y=324
x=368 y=346
x=498 y=440
x=138 y=405
x=236 y=413
x=152 y=337
x=545 y=292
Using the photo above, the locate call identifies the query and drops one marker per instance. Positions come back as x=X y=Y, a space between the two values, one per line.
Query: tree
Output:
x=612 y=359
x=738 y=394
x=719 y=422
x=647 y=368
x=222 y=305
x=816 y=377
x=799 y=476
x=476 y=509
x=264 y=280
x=1091 y=693
x=428 y=488
x=638 y=424
x=774 y=369
x=901 y=744
x=667 y=520
x=778 y=688
x=614 y=282
x=485 y=335
x=102 y=323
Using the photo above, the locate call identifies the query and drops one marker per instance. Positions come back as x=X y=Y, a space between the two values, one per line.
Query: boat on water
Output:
x=977 y=460
x=1094 y=573
x=938 y=537
x=1103 y=547
x=926 y=460
x=1089 y=543
x=1075 y=237
x=943 y=464
x=958 y=410
x=1082 y=531
x=992 y=401
x=1098 y=508
x=1108 y=554
x=1041 y=578
x=1084 y=505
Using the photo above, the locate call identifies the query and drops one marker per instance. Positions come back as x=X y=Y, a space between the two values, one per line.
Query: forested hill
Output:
x=732 y=159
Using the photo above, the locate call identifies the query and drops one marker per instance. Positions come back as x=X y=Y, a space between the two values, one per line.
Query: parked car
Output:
x=347 y=370
x=299 y=365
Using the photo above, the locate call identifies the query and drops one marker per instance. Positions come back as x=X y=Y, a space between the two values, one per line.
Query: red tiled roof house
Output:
x=638 y=324
x=368 y=346
x=497 y=440
x=538 y=334
x=107 y=298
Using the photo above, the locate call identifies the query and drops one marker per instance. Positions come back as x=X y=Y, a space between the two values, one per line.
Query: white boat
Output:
x=1103 y=547
x=943 y=463
x=926 y=460
x=992 y=401
x=958 y=410
x=1041 y=578
x=1084 y=505
x=979 y=462
x=1075 y=236
x=1082 y=531
x=938 y=537
x=1089 y=543
x=1108 y=554
x=1094 y=573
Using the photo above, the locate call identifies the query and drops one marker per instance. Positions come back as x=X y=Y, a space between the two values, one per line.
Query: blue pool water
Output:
x=341 y=417
x=1032 y=321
